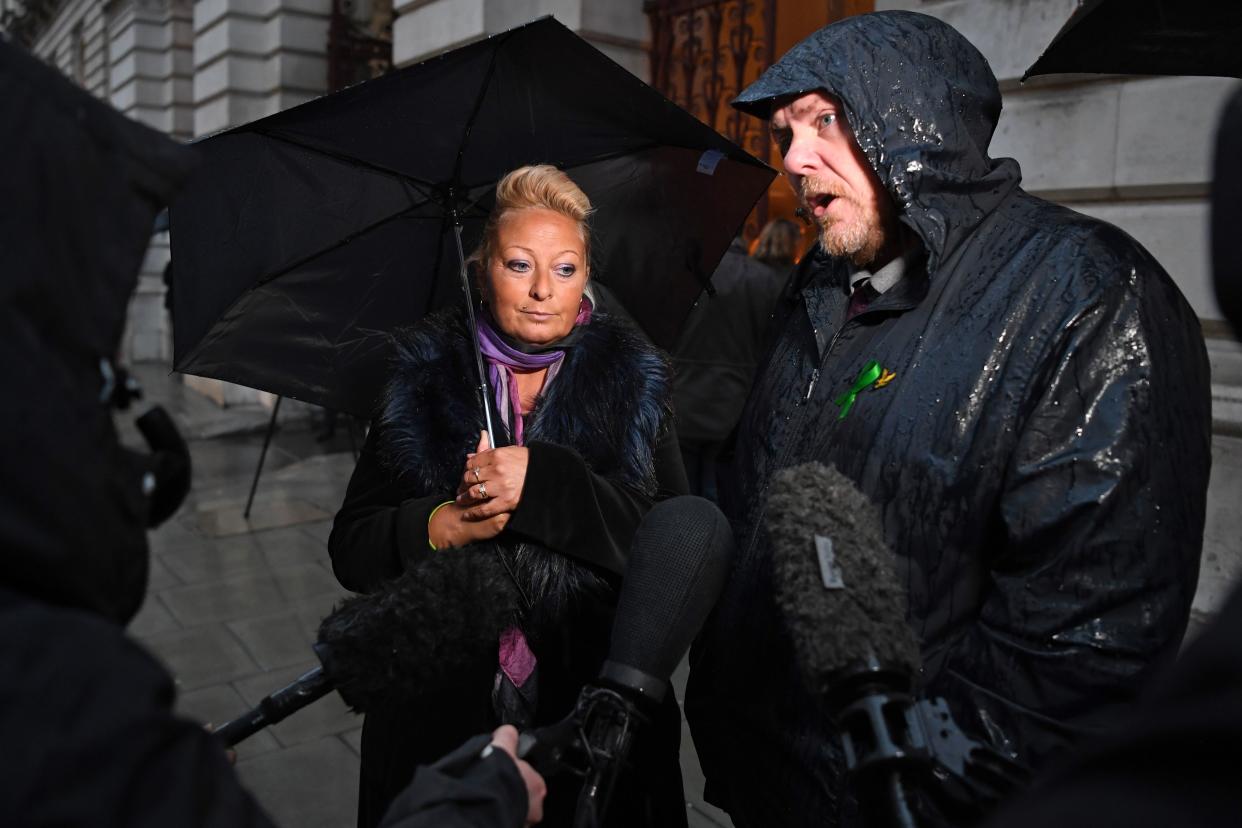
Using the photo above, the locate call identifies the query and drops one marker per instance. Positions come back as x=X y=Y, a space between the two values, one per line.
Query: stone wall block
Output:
x=434 y=27
x=991 y=25
x=141 y=63
x=234 y=73
x=1165 y=134
x=142 y=92
x=227 y=111
x=244 y=35
x=157 y=117
x=295 y=71
x=141 y=34
x=287 y=99
x=299 y=32
x=1066 y=144
x=501 y=15
x=208 y=12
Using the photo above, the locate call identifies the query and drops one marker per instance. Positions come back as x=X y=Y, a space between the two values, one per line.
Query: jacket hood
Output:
x=922 y=103
x=83 y=185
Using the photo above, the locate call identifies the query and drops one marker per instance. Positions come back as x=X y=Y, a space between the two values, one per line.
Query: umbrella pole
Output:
x=474 y=334
x=267 y=441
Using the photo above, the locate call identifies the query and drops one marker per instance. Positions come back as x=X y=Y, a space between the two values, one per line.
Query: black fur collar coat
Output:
x=602 y=450
x=609 y=403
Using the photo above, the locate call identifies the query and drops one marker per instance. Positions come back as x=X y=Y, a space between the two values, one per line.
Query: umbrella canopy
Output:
x=310 y=235
x=1147 y=37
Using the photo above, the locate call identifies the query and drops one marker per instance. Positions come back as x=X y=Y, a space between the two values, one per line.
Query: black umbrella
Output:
x=312 y=234
x=1147 y=37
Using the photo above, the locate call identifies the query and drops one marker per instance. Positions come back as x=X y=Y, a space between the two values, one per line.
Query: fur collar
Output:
x=608 y=403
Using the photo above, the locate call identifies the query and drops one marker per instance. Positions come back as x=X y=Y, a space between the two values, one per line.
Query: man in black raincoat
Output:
x=1021 y=390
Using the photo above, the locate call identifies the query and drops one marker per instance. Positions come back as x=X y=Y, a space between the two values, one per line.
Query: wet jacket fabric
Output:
x=601 y=451
x=1039 y=450
x=1171 y=761
x=87 y=715
x=719 y=348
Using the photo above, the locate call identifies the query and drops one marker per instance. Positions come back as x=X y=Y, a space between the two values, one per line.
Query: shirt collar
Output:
x=889 y=275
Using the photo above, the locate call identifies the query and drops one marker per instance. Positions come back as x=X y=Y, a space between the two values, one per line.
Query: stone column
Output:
x=252 y=59
x=149 y=79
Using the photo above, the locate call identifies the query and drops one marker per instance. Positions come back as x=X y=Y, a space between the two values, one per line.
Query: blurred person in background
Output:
x=715 y=360
x=779 y=245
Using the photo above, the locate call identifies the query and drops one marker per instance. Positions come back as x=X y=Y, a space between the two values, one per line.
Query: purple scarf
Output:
x=514 y=693
x=504 y=361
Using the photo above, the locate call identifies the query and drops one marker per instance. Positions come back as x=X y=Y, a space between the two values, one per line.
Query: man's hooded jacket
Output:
x=1038 y=445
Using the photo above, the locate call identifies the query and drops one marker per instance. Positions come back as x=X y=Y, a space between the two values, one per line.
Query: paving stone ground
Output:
x=233 y=604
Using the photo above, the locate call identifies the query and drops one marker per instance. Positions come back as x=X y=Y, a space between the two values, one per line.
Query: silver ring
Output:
x=482 y=491
x=476 y=471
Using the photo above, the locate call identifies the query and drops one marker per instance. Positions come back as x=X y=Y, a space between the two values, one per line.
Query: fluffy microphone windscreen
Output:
x=824 y=531
x=422 y=631
x=678 y=562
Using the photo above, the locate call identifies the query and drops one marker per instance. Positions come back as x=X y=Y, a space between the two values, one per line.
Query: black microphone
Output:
x=678 y=564
x=418 y=633
x=845 y=610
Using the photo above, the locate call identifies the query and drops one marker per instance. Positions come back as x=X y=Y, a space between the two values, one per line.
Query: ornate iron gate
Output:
x=703 y=52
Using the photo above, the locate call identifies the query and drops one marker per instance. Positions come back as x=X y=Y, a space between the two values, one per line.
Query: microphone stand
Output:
x=312 y=685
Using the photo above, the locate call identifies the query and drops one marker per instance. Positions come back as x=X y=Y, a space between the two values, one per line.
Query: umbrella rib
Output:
x=344 y=240
x=455 y=181
x=621 y=153
x=212 y=335
x=424 y=188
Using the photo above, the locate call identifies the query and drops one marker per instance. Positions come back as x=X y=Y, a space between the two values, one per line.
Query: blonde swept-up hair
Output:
x=535 y=186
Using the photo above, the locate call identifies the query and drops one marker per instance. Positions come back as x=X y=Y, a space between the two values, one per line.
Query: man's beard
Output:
x=858 y=237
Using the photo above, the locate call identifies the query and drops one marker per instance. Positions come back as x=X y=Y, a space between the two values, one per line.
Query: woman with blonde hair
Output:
x=583 y=404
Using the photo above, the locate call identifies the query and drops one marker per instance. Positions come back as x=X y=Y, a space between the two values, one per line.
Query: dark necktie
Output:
x=862 y=296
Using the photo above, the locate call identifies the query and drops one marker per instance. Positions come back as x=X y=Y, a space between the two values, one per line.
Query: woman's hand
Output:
x=449 y=527
x=492 y=482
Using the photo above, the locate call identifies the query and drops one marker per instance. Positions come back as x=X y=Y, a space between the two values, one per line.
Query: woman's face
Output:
x=536 y=275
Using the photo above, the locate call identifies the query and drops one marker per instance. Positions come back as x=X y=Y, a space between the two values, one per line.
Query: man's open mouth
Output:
x=819 y=203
